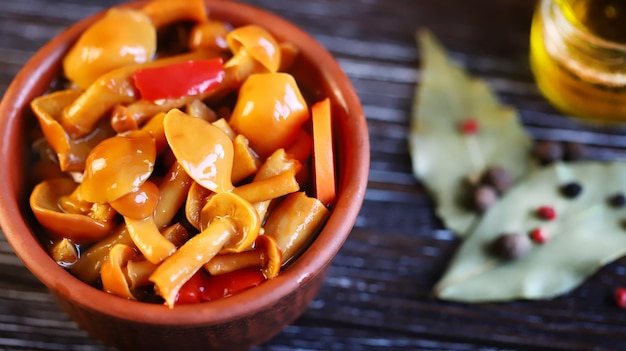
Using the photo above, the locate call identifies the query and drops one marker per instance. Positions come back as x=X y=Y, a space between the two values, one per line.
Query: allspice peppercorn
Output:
x=511 y=246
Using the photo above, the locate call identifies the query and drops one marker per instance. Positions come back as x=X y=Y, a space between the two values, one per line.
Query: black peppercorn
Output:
x=511 y=246
x=571 y=190
x=499 y=178
x=548 y=151
x=617 y=200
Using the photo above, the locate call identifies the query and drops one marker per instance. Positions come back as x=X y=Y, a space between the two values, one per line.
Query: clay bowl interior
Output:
x=234 y=323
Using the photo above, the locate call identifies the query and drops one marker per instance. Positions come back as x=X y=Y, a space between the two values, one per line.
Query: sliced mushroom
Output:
x=294 y=223
x=81 y=228
x=99 y=50
x=229 y=223
x=71 y=153
x=64 y=252
x=138 y=272
x=222 y=124
x=198 y=109
x=112 y=273
x=118 y=165
x=270 y=188
x=277 y=163
x=265 y=255
x=246 y=162
x=203 y=150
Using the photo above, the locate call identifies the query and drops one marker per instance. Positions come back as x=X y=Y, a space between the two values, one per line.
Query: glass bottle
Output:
x=578 y=57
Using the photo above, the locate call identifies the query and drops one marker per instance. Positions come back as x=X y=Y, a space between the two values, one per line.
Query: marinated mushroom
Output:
x=265 y=255
x=116 y=137
x=294 y=222
x=64 y=252
x=71 y=152
x=274 y=101
x=118 y=165
x=112 y=274
x=229 y=223
x=138 y=207
x=94 y=223
x=258 y=191
x=203 y=150
x=97 y=51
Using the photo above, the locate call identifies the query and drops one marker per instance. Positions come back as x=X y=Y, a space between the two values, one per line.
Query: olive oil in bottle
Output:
x=578 y=57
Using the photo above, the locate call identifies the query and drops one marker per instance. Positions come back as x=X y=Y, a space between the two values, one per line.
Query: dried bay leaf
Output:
x=442 y=157
x=586 y=235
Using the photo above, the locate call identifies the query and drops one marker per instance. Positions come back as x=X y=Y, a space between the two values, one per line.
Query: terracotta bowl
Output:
x=234 y=323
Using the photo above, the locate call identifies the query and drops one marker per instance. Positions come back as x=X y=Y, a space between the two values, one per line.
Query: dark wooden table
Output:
x=377 y=294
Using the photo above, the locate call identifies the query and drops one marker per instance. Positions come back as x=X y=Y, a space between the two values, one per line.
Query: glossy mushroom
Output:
x=118 y=165
x=203 y=150
x=138 y=207
x=70 y=152
x=173 y=192
x=265 y=255
x=97 y=51
x=294 y=223
x=230 y=224
x=112 y=273
x=274 y=101
x=87 y=226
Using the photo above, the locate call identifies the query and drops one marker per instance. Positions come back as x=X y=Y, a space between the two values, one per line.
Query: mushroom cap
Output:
x=272 y=255
x=118 y=165
x=70 y=152
x=258 y=43
x=203 y=150
x=114 y=280
x=275 y=102
x=44 y=201
x=99 y=50
x=139 y=203
x=239 y=214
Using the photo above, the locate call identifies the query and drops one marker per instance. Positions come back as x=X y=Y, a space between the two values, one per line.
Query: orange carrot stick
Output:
x=323 y=158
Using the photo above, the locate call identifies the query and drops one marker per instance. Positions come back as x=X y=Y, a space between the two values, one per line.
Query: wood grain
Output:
x=377 y=295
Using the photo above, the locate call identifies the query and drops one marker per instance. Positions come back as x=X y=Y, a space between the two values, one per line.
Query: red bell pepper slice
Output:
x=179 y=79
x=205 y=287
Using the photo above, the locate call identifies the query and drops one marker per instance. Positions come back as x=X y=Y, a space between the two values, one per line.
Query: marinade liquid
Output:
x=578 y=56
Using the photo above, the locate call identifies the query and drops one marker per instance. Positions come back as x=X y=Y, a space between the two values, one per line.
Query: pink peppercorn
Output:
x=546 y=212
x=469 y=126
x=539 y=235
x=620 y=297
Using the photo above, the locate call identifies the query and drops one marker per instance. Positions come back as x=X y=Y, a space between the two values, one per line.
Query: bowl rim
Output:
x=313 y=261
